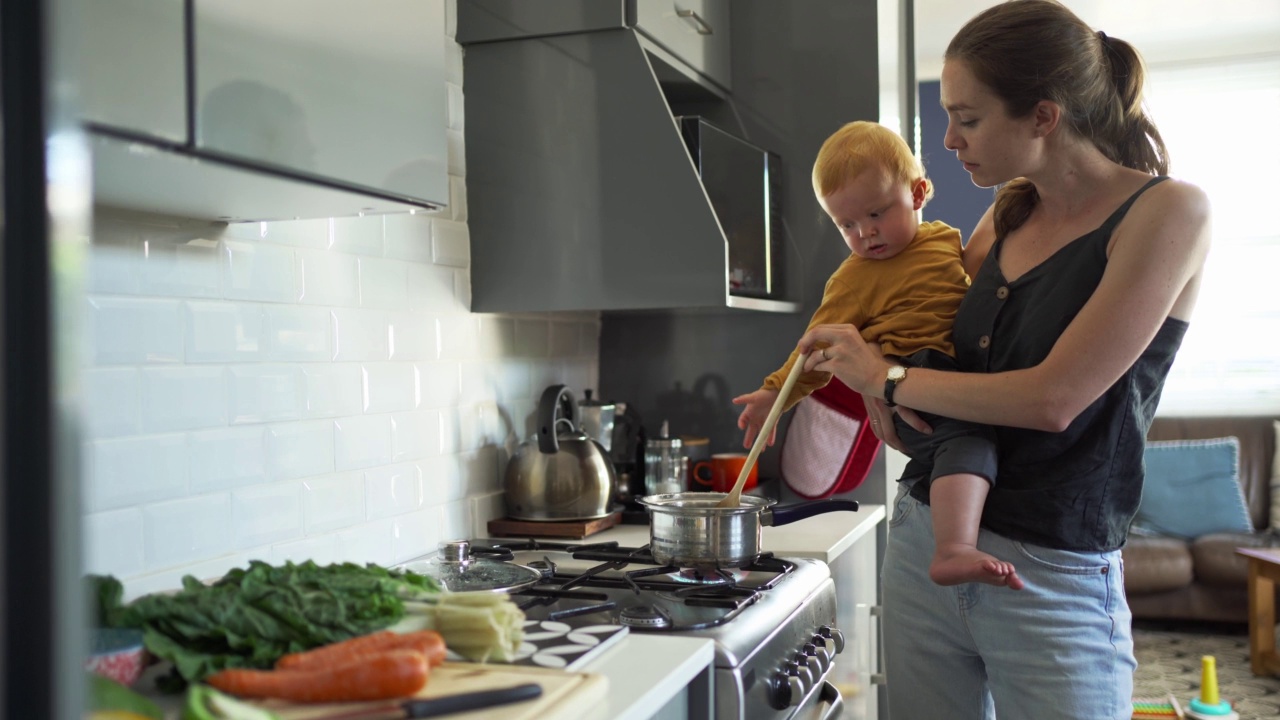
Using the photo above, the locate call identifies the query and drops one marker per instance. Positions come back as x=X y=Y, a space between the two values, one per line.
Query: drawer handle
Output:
x=698 y=23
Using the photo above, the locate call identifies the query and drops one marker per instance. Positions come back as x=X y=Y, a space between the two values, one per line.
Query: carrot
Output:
x=392 y=674
x=427 y=642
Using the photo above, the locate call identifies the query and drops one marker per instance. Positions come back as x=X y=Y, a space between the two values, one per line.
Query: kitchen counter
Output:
x=825 y=537
x=646 y=672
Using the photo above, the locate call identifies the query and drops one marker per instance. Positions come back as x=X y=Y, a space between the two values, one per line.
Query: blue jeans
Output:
x=1060 y=649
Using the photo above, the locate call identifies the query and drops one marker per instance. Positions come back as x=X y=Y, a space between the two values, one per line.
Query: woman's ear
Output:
x=919 y=189
x=1046 y=116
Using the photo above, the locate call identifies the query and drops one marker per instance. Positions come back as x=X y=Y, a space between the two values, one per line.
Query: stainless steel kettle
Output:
x=561 y=474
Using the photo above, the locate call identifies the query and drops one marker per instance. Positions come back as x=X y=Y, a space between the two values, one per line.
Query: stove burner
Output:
x=706 y=576
x=644 y=616
x=546 y=566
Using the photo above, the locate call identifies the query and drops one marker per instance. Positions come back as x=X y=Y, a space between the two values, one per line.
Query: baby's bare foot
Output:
x=965 y=563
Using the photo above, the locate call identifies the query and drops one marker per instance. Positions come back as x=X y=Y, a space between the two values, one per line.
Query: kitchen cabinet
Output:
x=132 y=66
x=289 y=109
x=694 y=31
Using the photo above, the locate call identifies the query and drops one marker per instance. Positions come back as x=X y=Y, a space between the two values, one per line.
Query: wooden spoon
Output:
x=734 y=498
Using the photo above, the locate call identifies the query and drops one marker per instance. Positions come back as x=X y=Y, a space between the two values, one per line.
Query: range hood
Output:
x=581 y=193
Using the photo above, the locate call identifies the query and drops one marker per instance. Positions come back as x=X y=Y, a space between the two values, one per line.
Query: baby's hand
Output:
x=758 y=404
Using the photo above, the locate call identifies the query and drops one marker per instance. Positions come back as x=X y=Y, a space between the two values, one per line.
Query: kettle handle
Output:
x=553 y=399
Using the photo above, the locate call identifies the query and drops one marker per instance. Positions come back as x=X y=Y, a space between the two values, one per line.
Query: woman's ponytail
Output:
x=1135 y=142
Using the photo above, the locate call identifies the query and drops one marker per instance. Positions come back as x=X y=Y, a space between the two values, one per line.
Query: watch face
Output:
x=897 y=372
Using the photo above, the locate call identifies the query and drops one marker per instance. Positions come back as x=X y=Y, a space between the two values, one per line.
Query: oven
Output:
x=773 y=622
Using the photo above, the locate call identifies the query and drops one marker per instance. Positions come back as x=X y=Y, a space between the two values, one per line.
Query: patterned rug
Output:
x=1169 y=662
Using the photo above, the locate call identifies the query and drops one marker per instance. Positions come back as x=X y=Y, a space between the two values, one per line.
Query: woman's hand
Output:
x=881 y=418
x=841 y=351
x=758 y=404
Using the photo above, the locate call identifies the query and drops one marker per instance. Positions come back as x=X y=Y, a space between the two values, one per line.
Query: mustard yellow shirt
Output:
x=906 y=303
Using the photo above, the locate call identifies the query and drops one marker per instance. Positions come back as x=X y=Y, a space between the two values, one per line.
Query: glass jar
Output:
x=666 y=469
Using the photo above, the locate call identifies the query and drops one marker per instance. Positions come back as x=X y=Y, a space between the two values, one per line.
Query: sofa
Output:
x=1203 y=578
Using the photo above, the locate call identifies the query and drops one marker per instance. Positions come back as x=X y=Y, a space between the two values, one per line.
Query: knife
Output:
x=443 y=705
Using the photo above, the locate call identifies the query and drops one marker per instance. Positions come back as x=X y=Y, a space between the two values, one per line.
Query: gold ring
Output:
x=824 y=354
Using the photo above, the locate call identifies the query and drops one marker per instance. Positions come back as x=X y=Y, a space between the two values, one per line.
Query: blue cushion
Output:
x=1192 y=488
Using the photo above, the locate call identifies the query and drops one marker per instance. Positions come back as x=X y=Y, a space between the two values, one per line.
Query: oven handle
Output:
x=830 y=696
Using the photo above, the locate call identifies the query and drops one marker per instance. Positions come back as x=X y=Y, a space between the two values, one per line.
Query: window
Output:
x=1218 y=122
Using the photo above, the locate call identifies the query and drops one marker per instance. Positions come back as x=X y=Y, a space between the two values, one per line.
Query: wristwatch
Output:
x=896 y=374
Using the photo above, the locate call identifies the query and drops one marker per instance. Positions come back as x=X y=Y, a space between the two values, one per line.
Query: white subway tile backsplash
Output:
x=392 y=490
x=412 y=336
x=408 y=237
x=456 y=114
x=367 y=543
x=458 y=337
x=565 y=339
x=451 y=243
x=382 y=283
x=114 y=269
x=300 y=449
x=458 y=199
x=359 y=235
x=259 y=271
x=187 y=530
x=495 y=336
x=112 y=543
x=360 y=335
x=294 y=333
x=266 y=393
x=311 y=389
x=362 y=442
x=332 y=390
x=183 y=398
x=135 y=471
x=223 y=332
x=182 y=267
x=442 y=478
x=225 y=459
x=416 y=534
x=456 y=522
x=314 y=234
x=112 y=402
x=415 y=435
x=441 y=383
x=133 y=331
x=333 y=502
x=327 y=278
x=533 y=338
x=456 y=152
x=320 y=549
x=430 y=287
x=265 y=514
x=391 y=387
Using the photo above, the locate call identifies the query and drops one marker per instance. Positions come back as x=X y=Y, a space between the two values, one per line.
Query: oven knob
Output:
x=819 y=653
x=806 y=676
x=810 y=663
x=825 y=643
x=834 y=635
x=784 y=691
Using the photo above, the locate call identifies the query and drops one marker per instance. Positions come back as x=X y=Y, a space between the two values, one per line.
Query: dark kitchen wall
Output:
x=800 y=71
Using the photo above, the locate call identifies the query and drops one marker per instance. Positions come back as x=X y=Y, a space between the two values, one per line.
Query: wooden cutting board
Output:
x=576 y=529
x=566 y=695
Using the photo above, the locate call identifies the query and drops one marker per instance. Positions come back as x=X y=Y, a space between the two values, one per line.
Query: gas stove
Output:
x=772 y=622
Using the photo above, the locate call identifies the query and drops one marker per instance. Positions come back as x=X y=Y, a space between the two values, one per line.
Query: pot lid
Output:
x=457 y=571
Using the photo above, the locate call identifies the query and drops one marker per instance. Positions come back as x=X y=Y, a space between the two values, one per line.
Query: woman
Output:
x=1085 y=272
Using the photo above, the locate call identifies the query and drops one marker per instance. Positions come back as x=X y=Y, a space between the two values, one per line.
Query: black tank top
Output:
x=1077 y=489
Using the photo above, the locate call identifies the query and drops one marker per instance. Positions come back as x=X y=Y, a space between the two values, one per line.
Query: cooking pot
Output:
x=457 y=570
x=687 y=529
x=561 y=473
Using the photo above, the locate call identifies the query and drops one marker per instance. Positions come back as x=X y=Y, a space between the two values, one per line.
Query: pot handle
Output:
x=553 y=399
x=784 y=514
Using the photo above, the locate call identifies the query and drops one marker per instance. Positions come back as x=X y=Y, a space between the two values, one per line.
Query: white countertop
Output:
x=823 y=537
x=646 y=671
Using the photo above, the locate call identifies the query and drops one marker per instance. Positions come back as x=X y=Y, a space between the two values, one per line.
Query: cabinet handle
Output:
x=878 y=678
x=698 y=23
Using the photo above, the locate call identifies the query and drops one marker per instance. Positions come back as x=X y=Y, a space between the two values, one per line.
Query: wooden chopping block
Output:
x=567 y=695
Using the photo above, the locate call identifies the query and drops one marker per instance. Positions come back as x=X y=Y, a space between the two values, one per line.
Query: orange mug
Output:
x=721 y=472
